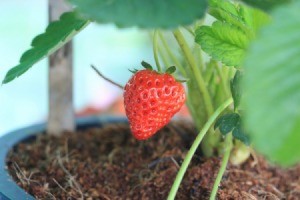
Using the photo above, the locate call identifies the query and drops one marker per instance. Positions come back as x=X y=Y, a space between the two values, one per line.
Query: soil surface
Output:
x=109 y=163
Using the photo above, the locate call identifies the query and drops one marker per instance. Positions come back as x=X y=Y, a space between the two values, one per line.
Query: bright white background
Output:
x=25 y=100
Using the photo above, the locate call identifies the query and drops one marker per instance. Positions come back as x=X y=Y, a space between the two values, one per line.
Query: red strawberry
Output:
x=151 y=99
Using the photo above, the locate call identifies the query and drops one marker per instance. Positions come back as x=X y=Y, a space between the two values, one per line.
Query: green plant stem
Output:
x=194 y=147
x=200 y=58
x=219 y=94
x=171 y=55
x=208 y=73
x=164 y=58
x=223 y=78
x=228 y=147
x=155 y=51
x=190 y=107
x=196 y=71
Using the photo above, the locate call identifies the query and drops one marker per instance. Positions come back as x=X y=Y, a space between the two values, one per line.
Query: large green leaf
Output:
x=272 y=85
x=142 y=13
x=57 y=34
x=266 y=4
x=228 y=38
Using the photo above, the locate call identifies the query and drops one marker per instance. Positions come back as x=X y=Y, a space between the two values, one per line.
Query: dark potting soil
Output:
x=109 y=163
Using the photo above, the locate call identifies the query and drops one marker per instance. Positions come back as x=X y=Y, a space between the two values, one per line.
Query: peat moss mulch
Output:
x=109 y=163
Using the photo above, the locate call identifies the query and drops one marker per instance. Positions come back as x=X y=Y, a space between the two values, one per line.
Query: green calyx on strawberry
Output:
x=151 y=99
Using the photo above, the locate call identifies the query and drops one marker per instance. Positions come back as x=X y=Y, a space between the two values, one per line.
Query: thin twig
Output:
x=248 y=196
x=262 y=193
x=277 y=191
x=161 y=160
x=50 y=194
x=22 y=176
x=175 y=162
x=72 y=178
x=59 y=185
x=107 y=79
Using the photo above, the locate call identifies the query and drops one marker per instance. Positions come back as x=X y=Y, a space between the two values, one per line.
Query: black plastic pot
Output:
x=9 y=190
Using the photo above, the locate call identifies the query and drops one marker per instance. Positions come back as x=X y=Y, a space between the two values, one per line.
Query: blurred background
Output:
x=24 y=101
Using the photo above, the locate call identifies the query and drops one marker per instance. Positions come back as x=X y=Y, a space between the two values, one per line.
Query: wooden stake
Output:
x=61 y=111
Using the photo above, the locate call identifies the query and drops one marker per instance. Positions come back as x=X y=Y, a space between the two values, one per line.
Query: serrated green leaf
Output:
x=227 y=6
x=223 y=42
x=235 y=86
x=228 y=38
x=228 y=12
x=266 y=4
x=227 y=122
x=144 y=14
x=171 y=70
x=146 y=65
x=248 y=19
x=57 y=34
x=272 y=84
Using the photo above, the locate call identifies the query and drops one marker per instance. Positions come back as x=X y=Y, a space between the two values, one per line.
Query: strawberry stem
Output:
x=196 y=71
x=105 y=78
x=155 y=51
x=171 y=55
x=223 y=79
x=194 y=147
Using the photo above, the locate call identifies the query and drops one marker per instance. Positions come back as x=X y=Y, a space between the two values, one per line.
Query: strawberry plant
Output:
x=241 y=68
